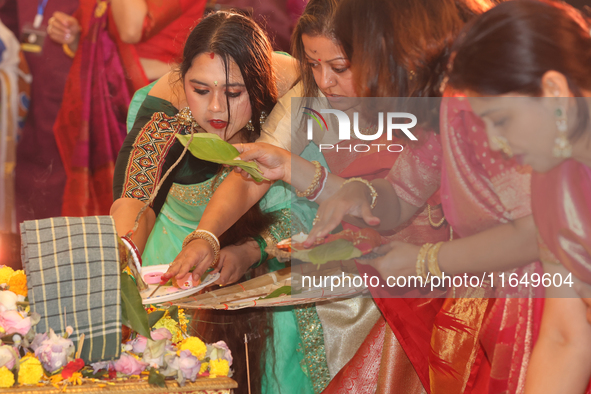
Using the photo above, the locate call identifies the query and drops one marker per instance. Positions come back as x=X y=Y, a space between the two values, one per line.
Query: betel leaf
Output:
x=173 y=312
x=154 y=317
x=133 y=314
x=339 y=249
x=283 y=290
x=210 y=147
x=156 y=379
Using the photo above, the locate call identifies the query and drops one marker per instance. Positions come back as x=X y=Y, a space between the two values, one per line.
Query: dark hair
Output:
x=233 y=36
x=400 y=48
x=510 y=48
x=317 y=20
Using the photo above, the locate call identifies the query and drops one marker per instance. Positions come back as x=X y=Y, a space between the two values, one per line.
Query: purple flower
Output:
x=7 y=356
x=220 y=350
x=54 y=351
x=100 y=365
x=129 y=365
x=189 y=365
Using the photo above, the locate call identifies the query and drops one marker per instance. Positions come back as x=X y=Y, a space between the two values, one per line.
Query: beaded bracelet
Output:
x=372 y=191
x=210 y=238
x=315 y=181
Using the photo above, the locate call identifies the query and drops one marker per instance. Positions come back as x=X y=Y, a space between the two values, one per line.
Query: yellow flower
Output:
x=183 y=321
x=219 y=367
x=5 y=274
x=203 y=368
x=30 y=371
x=195 y=345
x=6 y=377
x=172 y=326
x=18 y=283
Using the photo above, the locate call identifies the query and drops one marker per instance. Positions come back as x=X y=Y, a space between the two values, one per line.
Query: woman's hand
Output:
x=235 y=261
x=351 y=199
x=274 y=162
x=63 y=28
x=398 y=259
x=198 y=253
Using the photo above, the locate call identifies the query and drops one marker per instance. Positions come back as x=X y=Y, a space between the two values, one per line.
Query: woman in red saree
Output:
x=548 y=129
x=90 y=126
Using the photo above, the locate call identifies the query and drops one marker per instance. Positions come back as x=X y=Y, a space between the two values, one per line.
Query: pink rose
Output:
x=138 y=345
x=220 y=350
x=189 y=365
x=14 y=323
x=54 y=351
x=161 y=333
x=129 y=365
x=7 y=356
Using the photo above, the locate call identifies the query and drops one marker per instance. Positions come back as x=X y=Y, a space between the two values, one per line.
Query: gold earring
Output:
x=503 y=145
x=562 y=146
x=262 y=119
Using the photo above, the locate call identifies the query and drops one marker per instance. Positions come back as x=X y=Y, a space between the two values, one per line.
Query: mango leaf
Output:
x=133 y=314
x=173 y=312
x=156 y=379
x=210 y=147
x=153 y=317
x=339 y=249
x=283 y=290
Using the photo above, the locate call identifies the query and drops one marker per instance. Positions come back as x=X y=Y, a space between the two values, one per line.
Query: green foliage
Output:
x=133 y=314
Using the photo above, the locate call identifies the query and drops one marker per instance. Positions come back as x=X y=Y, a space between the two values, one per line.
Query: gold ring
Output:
x=316 y=220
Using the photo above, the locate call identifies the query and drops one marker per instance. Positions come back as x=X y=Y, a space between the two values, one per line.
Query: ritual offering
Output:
x=174 y=289
x=345 y=245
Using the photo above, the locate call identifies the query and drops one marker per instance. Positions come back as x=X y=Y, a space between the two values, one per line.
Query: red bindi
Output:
x=319 y=60
x=212 y=55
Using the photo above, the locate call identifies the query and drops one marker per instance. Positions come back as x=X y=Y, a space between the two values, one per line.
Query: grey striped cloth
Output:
x=72 y=268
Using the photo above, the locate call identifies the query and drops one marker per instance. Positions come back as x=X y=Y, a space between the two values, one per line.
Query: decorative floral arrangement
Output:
x=166 y=351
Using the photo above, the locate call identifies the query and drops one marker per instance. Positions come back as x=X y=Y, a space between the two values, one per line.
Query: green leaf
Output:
x=156 y=379
x=154 y=317
x=133 y=313
x=339 y=249
x=210 y=147
x=283 y=290
x=89 y=373
x=173 y=312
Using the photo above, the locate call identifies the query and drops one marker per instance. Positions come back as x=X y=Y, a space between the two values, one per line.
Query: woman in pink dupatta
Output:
x=550 y=132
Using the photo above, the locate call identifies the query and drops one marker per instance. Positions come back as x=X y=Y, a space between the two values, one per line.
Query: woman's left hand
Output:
x=233 y=264
x=398 y=259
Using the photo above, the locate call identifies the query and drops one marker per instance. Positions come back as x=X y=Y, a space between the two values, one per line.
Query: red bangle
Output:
x=321 y=183
x=137 y=256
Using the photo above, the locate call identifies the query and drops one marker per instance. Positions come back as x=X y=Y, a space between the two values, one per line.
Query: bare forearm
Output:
x=124 y=212
x=230 y=201
x=129 y=17
x=561 y=361
x=501 y=248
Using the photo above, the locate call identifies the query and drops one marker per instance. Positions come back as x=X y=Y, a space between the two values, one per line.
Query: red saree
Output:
x=388 y=360
x=90 y=126
x=490 y=346
x=561 y=204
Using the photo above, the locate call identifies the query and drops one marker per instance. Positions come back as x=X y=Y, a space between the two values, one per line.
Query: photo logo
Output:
x=392 y=120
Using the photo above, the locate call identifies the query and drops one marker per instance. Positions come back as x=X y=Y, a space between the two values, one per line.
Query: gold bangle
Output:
x=433 y=259
x=210 y=238
x=372 y=191
x=315 y=182
x=68 y=51
x=421 y=260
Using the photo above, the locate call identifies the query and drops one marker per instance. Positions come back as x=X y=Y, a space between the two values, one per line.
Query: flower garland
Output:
x=52 y=360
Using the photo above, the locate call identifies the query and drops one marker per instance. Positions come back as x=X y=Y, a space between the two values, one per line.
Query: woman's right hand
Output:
x=198 y=253
x=352 y=199
x=274 y=162
x=63 y=28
